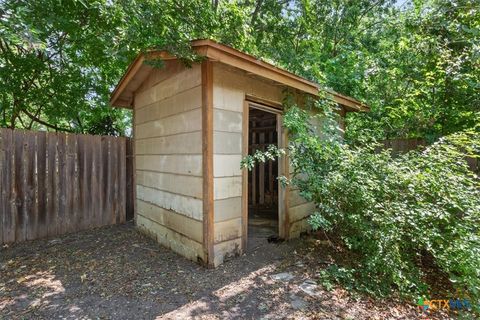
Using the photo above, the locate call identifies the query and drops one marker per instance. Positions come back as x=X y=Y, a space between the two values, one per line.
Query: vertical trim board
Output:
x=245 y=177
x=207 y=160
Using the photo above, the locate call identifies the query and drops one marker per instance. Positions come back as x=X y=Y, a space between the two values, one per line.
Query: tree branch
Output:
x=48 y=125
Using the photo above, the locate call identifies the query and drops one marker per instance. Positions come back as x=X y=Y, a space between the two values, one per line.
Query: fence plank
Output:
x=106 y=202
x=83 y=215
x=113 y=180
x=30 y=207
x=51 y=183
x=61 y=183
x=122 y=201
x=70 y=159
x=129 y=207
x=8 y=220
x=97 y=182
x=19 y=186
x=75 y=213
x=399 y=146
x=41 y=184
x=88 y=181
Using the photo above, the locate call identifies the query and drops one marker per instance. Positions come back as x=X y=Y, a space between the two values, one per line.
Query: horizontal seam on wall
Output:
x=298 y=220
x=183 y=235
x=237 y=218
x=166 y=117
x=171 y=173
x=173 y=95
x=219 y=177
x=239 y=197
x=226 y=198
x=168 y=135
x=229 y=132
x=169 y=210
x=216 y=243
x=224 y=109
x=228 y=154
x=168 y=154
x=301 y=204
x=174 y=75
x=224 y=131
x=226 y=177
x=177 y=194
x=228 y=110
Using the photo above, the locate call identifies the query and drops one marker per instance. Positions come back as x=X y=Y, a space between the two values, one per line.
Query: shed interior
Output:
x=262 y=180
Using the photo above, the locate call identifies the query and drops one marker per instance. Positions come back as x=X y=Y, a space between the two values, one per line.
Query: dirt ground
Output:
x=118 y=273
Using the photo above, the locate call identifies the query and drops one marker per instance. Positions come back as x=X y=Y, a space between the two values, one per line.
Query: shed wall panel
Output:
x=226 y=249
x=230 y=89
x=186 y=185
x=189 y=99
x=178 y=123
x=190 y=228
x=228 y=121
x=183 y=143
x=301 y=211
x=187 y=206
x=168 y=153
x=171 y=239
x=294 y=198
x=184 y=79
x=190 y=165
x=227 y=165
x=299 y=227
x=228 y=230
x=231 y=86
x=227 y=187
x=227 y=142
x=226 y=209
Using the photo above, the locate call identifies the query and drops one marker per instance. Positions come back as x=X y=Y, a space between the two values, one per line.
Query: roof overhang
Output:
x=138 y=71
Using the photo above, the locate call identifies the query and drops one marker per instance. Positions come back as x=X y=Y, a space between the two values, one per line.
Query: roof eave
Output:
x=227 y=55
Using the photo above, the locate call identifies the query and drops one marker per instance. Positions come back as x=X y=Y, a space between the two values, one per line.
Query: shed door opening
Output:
x=262 y=180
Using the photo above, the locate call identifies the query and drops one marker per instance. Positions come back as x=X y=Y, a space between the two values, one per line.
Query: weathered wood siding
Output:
x=57 y=183
x=298 y=212
x=299 y=209
x=168 y=158
x=229 y=90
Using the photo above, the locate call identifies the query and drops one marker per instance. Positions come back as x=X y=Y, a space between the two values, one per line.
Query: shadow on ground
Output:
x=117 y=273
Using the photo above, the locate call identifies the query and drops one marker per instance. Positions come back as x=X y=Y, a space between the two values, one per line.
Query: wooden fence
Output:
x=55 y=183
x=400 y=146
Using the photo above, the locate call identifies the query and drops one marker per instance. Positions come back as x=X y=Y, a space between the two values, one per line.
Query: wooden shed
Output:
x=192 y=126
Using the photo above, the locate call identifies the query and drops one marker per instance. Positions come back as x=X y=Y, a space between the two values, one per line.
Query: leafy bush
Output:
x=393 y=212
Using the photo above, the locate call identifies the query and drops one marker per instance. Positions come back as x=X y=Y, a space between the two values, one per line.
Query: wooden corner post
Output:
x=283 y=191
x=245 y=129
x=207 y=161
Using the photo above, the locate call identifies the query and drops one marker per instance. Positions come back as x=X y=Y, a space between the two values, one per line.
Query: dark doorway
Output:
x=262 y=180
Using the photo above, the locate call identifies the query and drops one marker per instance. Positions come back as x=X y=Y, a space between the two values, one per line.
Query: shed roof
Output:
x=138 y=71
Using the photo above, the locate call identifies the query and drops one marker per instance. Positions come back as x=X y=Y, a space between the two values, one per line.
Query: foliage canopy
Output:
x=415 y=64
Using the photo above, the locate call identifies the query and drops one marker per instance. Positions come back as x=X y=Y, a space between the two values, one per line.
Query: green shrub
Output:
x=392 y=212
